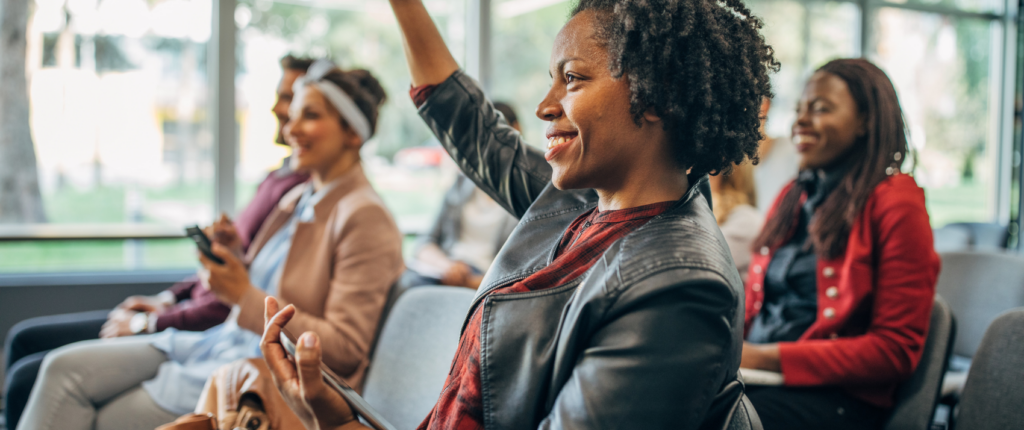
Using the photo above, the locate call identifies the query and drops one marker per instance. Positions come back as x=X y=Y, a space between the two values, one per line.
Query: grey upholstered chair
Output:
x=985 y=235
x=414 y=352
x=993 y=398
x=917 y=398
x=978 y=286
x=744 y=417
x=952 y=238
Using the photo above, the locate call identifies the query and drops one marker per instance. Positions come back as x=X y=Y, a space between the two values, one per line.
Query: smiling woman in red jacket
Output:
x=841 y=284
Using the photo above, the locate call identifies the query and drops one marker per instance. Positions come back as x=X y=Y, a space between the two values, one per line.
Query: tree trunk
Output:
x=20 y=199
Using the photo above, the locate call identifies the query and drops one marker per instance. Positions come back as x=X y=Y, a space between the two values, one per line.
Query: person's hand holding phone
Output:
x=228 y=281
x=223 y=231
x=300 y=381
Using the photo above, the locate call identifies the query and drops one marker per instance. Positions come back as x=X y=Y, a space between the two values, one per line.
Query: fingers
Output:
x=223 y=252
x=105 y=331
x=270 y=344
x=330 y=408
x=307 y=360
x=270 y=308
x=207 y=263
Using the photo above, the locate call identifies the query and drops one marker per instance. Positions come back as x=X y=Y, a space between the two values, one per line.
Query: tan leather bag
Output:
x=192 y=422
x=243 y=395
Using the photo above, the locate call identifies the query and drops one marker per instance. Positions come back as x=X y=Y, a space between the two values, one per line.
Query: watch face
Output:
x=138 y=323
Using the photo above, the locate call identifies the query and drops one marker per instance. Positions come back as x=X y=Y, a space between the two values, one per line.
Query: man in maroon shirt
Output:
x=185 y=306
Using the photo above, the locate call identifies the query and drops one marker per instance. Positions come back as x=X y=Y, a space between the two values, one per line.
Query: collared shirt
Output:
x=790 y=282
x=588 y=237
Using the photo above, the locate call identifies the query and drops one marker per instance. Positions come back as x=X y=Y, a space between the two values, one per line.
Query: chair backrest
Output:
x=985 y=235
x=979 y=286
x=917 y=397
x=993 y=397
x=394 y=293
x=414 y=352
x=952 y=238
x=744 y=417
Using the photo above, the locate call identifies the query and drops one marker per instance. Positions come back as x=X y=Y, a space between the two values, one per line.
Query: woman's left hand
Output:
x=228 y=281
x=761 y=356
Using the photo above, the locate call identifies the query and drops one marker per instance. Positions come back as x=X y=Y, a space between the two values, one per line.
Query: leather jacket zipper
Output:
x=578 y=236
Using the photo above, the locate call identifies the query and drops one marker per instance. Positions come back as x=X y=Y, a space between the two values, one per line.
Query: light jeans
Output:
x=96 y=384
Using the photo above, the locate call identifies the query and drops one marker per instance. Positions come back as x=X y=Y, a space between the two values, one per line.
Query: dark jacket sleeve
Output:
x=183 y=290
x=657 y=360
x=203 y=311
x=485 y=147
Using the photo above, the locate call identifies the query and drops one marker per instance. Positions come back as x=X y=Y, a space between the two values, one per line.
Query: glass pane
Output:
x=990 y=6
x=523 y=34
x=804 y=36
x=117 y=94
x=95 y=255
x=403 y=160
x=941 y=67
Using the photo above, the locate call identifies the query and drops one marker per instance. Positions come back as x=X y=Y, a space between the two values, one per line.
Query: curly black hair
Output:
x=702 y=65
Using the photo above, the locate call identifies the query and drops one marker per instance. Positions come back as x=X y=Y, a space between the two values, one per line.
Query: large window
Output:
x=120 y=120
x=947 y=75
x=945 y=57
x=121 y=103
x=118 y=102
x=946 y=61
x=403 y=160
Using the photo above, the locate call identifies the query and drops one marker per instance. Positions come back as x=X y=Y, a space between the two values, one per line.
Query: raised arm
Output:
x=481 y=142
x=430 y=62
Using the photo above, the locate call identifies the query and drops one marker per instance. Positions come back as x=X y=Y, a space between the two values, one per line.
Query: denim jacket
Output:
x=649 y=337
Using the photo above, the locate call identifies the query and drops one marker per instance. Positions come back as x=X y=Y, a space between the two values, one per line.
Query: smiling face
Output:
x=828 y=122
x=284 y=99
x=316 y=135
x=592 y=139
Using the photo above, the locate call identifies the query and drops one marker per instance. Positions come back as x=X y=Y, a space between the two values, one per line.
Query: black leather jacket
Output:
x=649 y=337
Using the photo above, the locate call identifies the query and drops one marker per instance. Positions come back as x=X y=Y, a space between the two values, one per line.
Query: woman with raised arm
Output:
x=615 y=302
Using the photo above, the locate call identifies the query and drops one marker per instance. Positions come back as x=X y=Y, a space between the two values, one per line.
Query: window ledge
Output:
x=13 y=232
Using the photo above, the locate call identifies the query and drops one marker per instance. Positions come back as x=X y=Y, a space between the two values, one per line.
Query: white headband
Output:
x=341 y=101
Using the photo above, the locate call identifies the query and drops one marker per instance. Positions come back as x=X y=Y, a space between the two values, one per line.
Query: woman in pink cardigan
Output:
x=345 y=257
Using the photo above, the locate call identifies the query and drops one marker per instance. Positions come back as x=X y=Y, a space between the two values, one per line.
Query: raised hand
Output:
x=430 y=62
x=299 y=380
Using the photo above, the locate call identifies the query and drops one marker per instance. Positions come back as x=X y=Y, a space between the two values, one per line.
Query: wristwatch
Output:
x=139 y=323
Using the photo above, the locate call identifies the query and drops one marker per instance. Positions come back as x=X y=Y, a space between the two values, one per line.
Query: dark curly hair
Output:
x=702 y=65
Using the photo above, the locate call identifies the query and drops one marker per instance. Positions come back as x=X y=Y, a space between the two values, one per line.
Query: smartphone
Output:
x=203 y=243
x=357 y=402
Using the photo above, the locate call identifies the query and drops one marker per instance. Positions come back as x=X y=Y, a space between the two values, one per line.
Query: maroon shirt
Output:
x=198 y=308
x=588 y=237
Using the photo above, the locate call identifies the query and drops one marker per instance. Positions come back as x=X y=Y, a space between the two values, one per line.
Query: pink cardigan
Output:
x=338 y=272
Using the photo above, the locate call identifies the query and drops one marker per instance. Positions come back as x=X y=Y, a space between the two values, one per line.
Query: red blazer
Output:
x=874 y=302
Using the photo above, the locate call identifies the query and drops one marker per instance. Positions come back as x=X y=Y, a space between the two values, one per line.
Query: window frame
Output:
x=479 y=63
